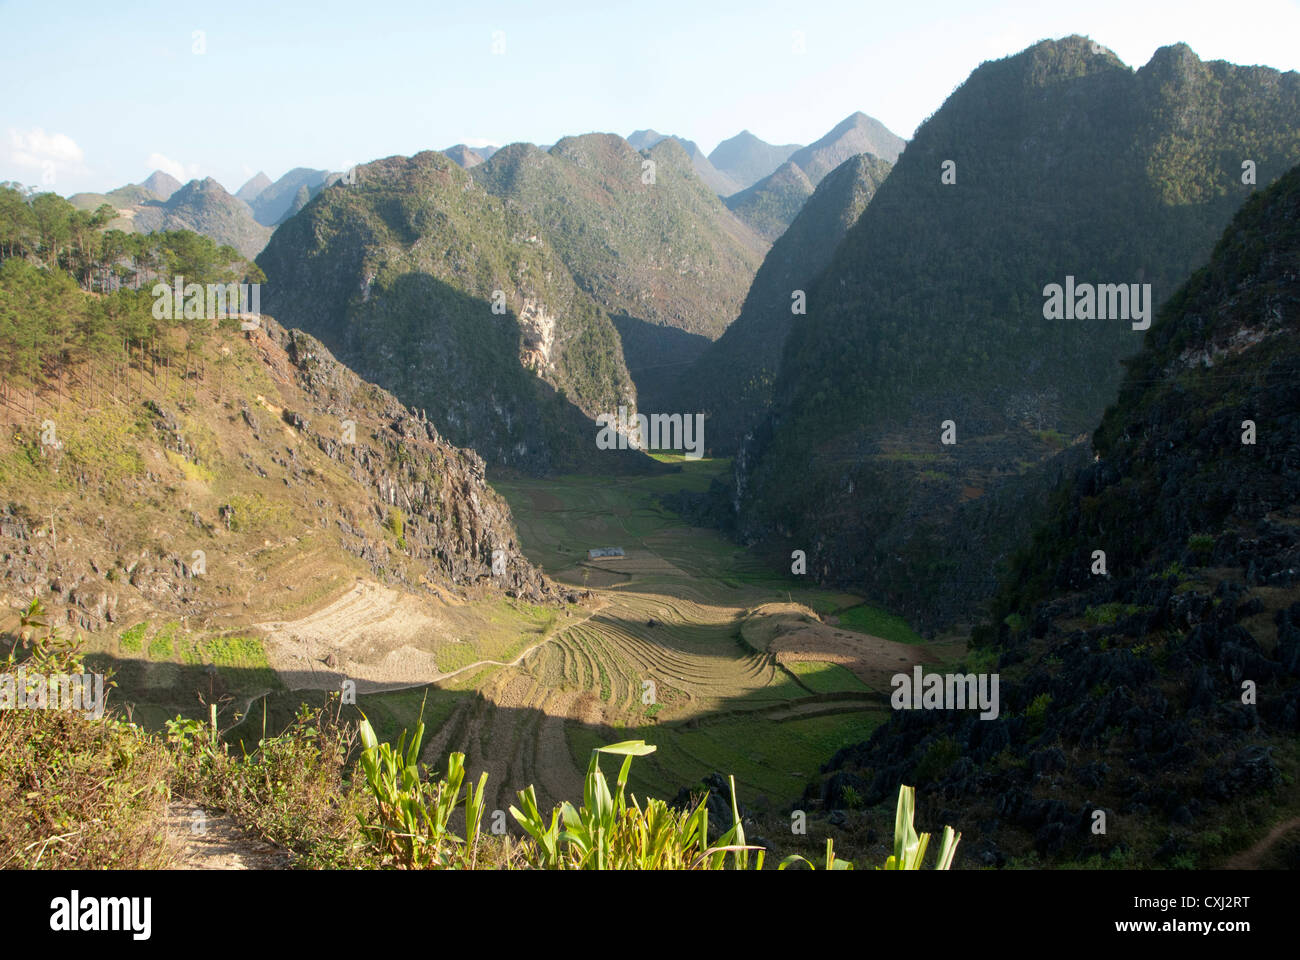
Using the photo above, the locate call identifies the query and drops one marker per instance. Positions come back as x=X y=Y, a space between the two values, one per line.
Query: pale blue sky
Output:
x=101 y=93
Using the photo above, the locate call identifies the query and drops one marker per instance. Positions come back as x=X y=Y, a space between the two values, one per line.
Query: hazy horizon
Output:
x=353 y=84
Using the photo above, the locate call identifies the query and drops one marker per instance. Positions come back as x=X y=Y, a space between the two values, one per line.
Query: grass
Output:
x=770 y=760
x=823 y=677
x=163 y=644
x=131 y=642
x=878 y=623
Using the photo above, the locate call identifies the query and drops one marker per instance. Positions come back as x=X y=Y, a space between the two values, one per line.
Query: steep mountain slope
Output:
x=732 y=381
x=399 y=274
x=1165 y=692
x=1067 y=165
x=746 y=159
x=856 y=133
x=205 y=207
x=161 y=185
x=253 y=188
x=770 y=204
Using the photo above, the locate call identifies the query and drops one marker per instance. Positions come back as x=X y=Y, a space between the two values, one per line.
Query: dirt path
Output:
x=204 y=840
x=1254 y=858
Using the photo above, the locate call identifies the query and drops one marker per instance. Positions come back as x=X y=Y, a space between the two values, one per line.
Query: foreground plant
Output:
x=612 y=832
x=909 y=847
x=414 y=823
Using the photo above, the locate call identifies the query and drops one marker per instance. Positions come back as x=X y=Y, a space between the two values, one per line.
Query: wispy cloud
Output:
x=47 y=156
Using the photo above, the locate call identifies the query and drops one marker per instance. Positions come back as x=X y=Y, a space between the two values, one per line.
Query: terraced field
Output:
x=658 y=654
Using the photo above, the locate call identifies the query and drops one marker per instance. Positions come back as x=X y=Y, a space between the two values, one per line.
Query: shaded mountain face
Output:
x=770 y=204
x=275 y=202
x=732 y=381
x=1166 y=690
x=204 y=206
x=251 y=190
x=933 y=321
x=161 y=185
x=746 y=159
x=399 y=274
x=665 y=254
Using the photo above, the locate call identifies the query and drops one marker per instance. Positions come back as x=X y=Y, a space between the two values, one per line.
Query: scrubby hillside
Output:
x=1165 y=691
x=665 y=252
x=1064 y=163
x=457 y=302
x=169 y=486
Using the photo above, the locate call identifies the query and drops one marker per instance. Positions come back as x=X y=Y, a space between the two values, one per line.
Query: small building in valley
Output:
x=605 y=553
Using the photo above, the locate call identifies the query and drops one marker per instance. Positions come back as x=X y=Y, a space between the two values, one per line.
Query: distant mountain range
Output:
x=746 y=159
x=609 y=260
x=714 y=179
x=770 y=204
x=244 y=220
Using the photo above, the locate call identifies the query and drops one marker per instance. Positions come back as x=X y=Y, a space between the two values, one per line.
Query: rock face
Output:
x=453 y=519
x=1169 y=684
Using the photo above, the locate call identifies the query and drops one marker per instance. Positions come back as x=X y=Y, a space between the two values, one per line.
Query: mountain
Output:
x=666 y=260
x=464 y=156
x=274 y=202
x=935 y=317
x=746 y=159
x=202 y=206
x=732 y=381
x=210 y=483
x=251 y=190
x=162 y=185
x=1164 y=693
x=716 y=180
x=205 y=207
x=666 y=253
x=399 y=274
x=769 y=204
x=856 y=133
x=644 y=139
x=127 y=200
